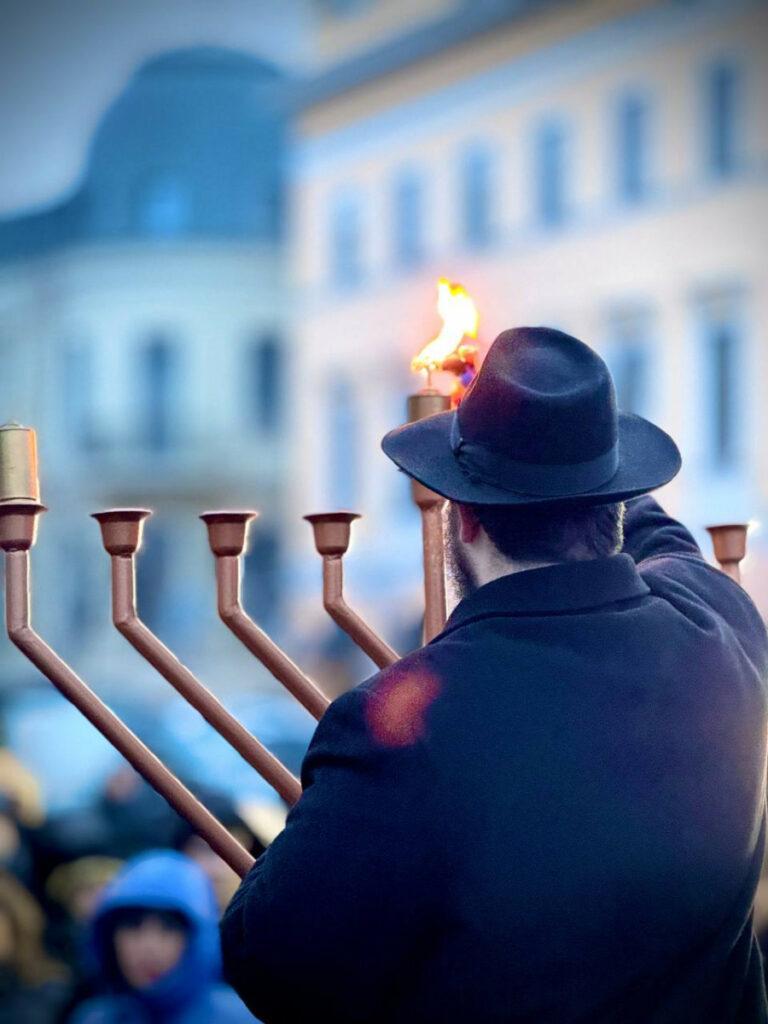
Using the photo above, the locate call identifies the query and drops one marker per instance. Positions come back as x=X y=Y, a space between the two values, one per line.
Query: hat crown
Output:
x=541 y=397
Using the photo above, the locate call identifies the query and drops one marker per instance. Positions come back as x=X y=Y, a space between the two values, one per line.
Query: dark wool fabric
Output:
x=552 y=813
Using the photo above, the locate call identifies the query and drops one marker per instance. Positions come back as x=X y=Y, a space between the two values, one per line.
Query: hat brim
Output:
x=648 y=458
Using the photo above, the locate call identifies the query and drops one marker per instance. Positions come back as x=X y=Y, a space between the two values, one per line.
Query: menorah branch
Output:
x=227 y=533
x=332 y=533
x=109 y=725
x=121 y=532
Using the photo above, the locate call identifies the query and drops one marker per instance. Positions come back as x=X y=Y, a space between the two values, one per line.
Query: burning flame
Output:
x=460 y=318
x=459 y=314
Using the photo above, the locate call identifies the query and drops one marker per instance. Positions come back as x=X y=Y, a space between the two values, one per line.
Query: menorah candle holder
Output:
x=332 y=534
x=227 y=535
x=729 y=544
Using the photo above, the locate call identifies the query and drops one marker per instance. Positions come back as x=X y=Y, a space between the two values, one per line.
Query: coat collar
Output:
x=565 y=587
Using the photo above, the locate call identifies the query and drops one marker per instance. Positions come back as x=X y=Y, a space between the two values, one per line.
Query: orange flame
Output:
x=460 y=318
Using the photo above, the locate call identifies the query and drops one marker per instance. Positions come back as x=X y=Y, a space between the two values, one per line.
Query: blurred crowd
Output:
x=110 y=913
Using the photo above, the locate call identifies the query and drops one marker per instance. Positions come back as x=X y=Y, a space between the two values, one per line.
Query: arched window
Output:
x=264 y=381
x=343 y=427
x=346 y=237
x=159 y=383
x=477 y=195
x=632 y=148
x=408 y=218
x=163 y=206
x=549 y=173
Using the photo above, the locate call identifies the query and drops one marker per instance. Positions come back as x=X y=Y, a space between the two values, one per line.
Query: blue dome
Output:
x=194 y=147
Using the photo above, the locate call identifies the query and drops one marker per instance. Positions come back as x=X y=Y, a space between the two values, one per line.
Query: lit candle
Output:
x=448 y=351
x=18 y=464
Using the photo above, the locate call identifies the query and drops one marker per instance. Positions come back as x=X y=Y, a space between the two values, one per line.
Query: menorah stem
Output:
x=332 y=531
x=191 y=689
x=431 y=508
x=109 y=725
x=274 y=659
x=367 y=640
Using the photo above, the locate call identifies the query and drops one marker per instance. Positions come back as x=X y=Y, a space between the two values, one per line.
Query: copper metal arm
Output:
x=331 y=530
x=431 y=508
x=227 y=534
x=17 y=530
x=121 y=532
x=729 y=544
x=423 y=404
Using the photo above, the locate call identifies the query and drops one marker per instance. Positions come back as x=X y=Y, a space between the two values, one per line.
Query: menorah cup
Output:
x=122 y=530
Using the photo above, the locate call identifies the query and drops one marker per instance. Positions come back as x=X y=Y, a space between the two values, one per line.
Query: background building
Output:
x=597 y=166
x=142 y=331
x=224 y=310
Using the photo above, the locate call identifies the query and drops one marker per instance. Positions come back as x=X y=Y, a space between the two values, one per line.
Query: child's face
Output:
x=148 y=949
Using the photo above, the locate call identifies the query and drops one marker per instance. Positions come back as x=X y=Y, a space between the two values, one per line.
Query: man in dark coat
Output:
x=554 y=812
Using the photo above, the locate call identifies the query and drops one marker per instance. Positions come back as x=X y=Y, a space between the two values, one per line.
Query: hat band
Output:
x=543 y=481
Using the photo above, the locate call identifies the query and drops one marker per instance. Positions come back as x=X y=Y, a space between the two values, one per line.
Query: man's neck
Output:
x=496 y=568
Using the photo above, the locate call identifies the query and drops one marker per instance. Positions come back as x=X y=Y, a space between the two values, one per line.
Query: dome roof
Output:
x=193 y=147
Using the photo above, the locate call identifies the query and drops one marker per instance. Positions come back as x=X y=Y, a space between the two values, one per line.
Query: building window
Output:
x=549 y=174
x=629 y=359
x=346 y=241
x=408 y=220
x=77 y=393
x=264 y=380
x=477 y=196
x=81 y=586
x=163 y=207
x=722 y=346
x=632 y=148
x=343 y=427
x=159 y=389
x=261 y=582
x=152 y=567
x=722 y=101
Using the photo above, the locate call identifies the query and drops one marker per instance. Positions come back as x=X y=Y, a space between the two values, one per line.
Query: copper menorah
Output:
x=121 y=530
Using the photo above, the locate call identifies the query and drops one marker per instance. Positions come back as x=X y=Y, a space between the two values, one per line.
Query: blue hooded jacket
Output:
x=191 y=993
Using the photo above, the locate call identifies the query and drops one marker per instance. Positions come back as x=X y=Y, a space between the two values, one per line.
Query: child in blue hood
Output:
x=155 y=940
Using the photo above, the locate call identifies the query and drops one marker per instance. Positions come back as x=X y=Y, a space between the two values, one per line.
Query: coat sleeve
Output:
x=650 y=532
x=672 y=565
x=329 y=922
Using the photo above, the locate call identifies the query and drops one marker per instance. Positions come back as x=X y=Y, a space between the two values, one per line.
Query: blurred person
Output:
x=21 y=786
x=33 y=985
x=154 y=940
x=555 y=811
x=136 y=816
x=73 y=890
x=21 y=816
x=223 y=879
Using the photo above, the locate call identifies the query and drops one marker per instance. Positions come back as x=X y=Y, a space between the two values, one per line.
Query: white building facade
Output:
x=601 y=167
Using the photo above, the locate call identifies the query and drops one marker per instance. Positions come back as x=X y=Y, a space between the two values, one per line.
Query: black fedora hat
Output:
x=538 y=425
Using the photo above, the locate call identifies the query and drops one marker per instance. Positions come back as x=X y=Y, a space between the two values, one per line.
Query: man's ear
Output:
x=469 y=524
